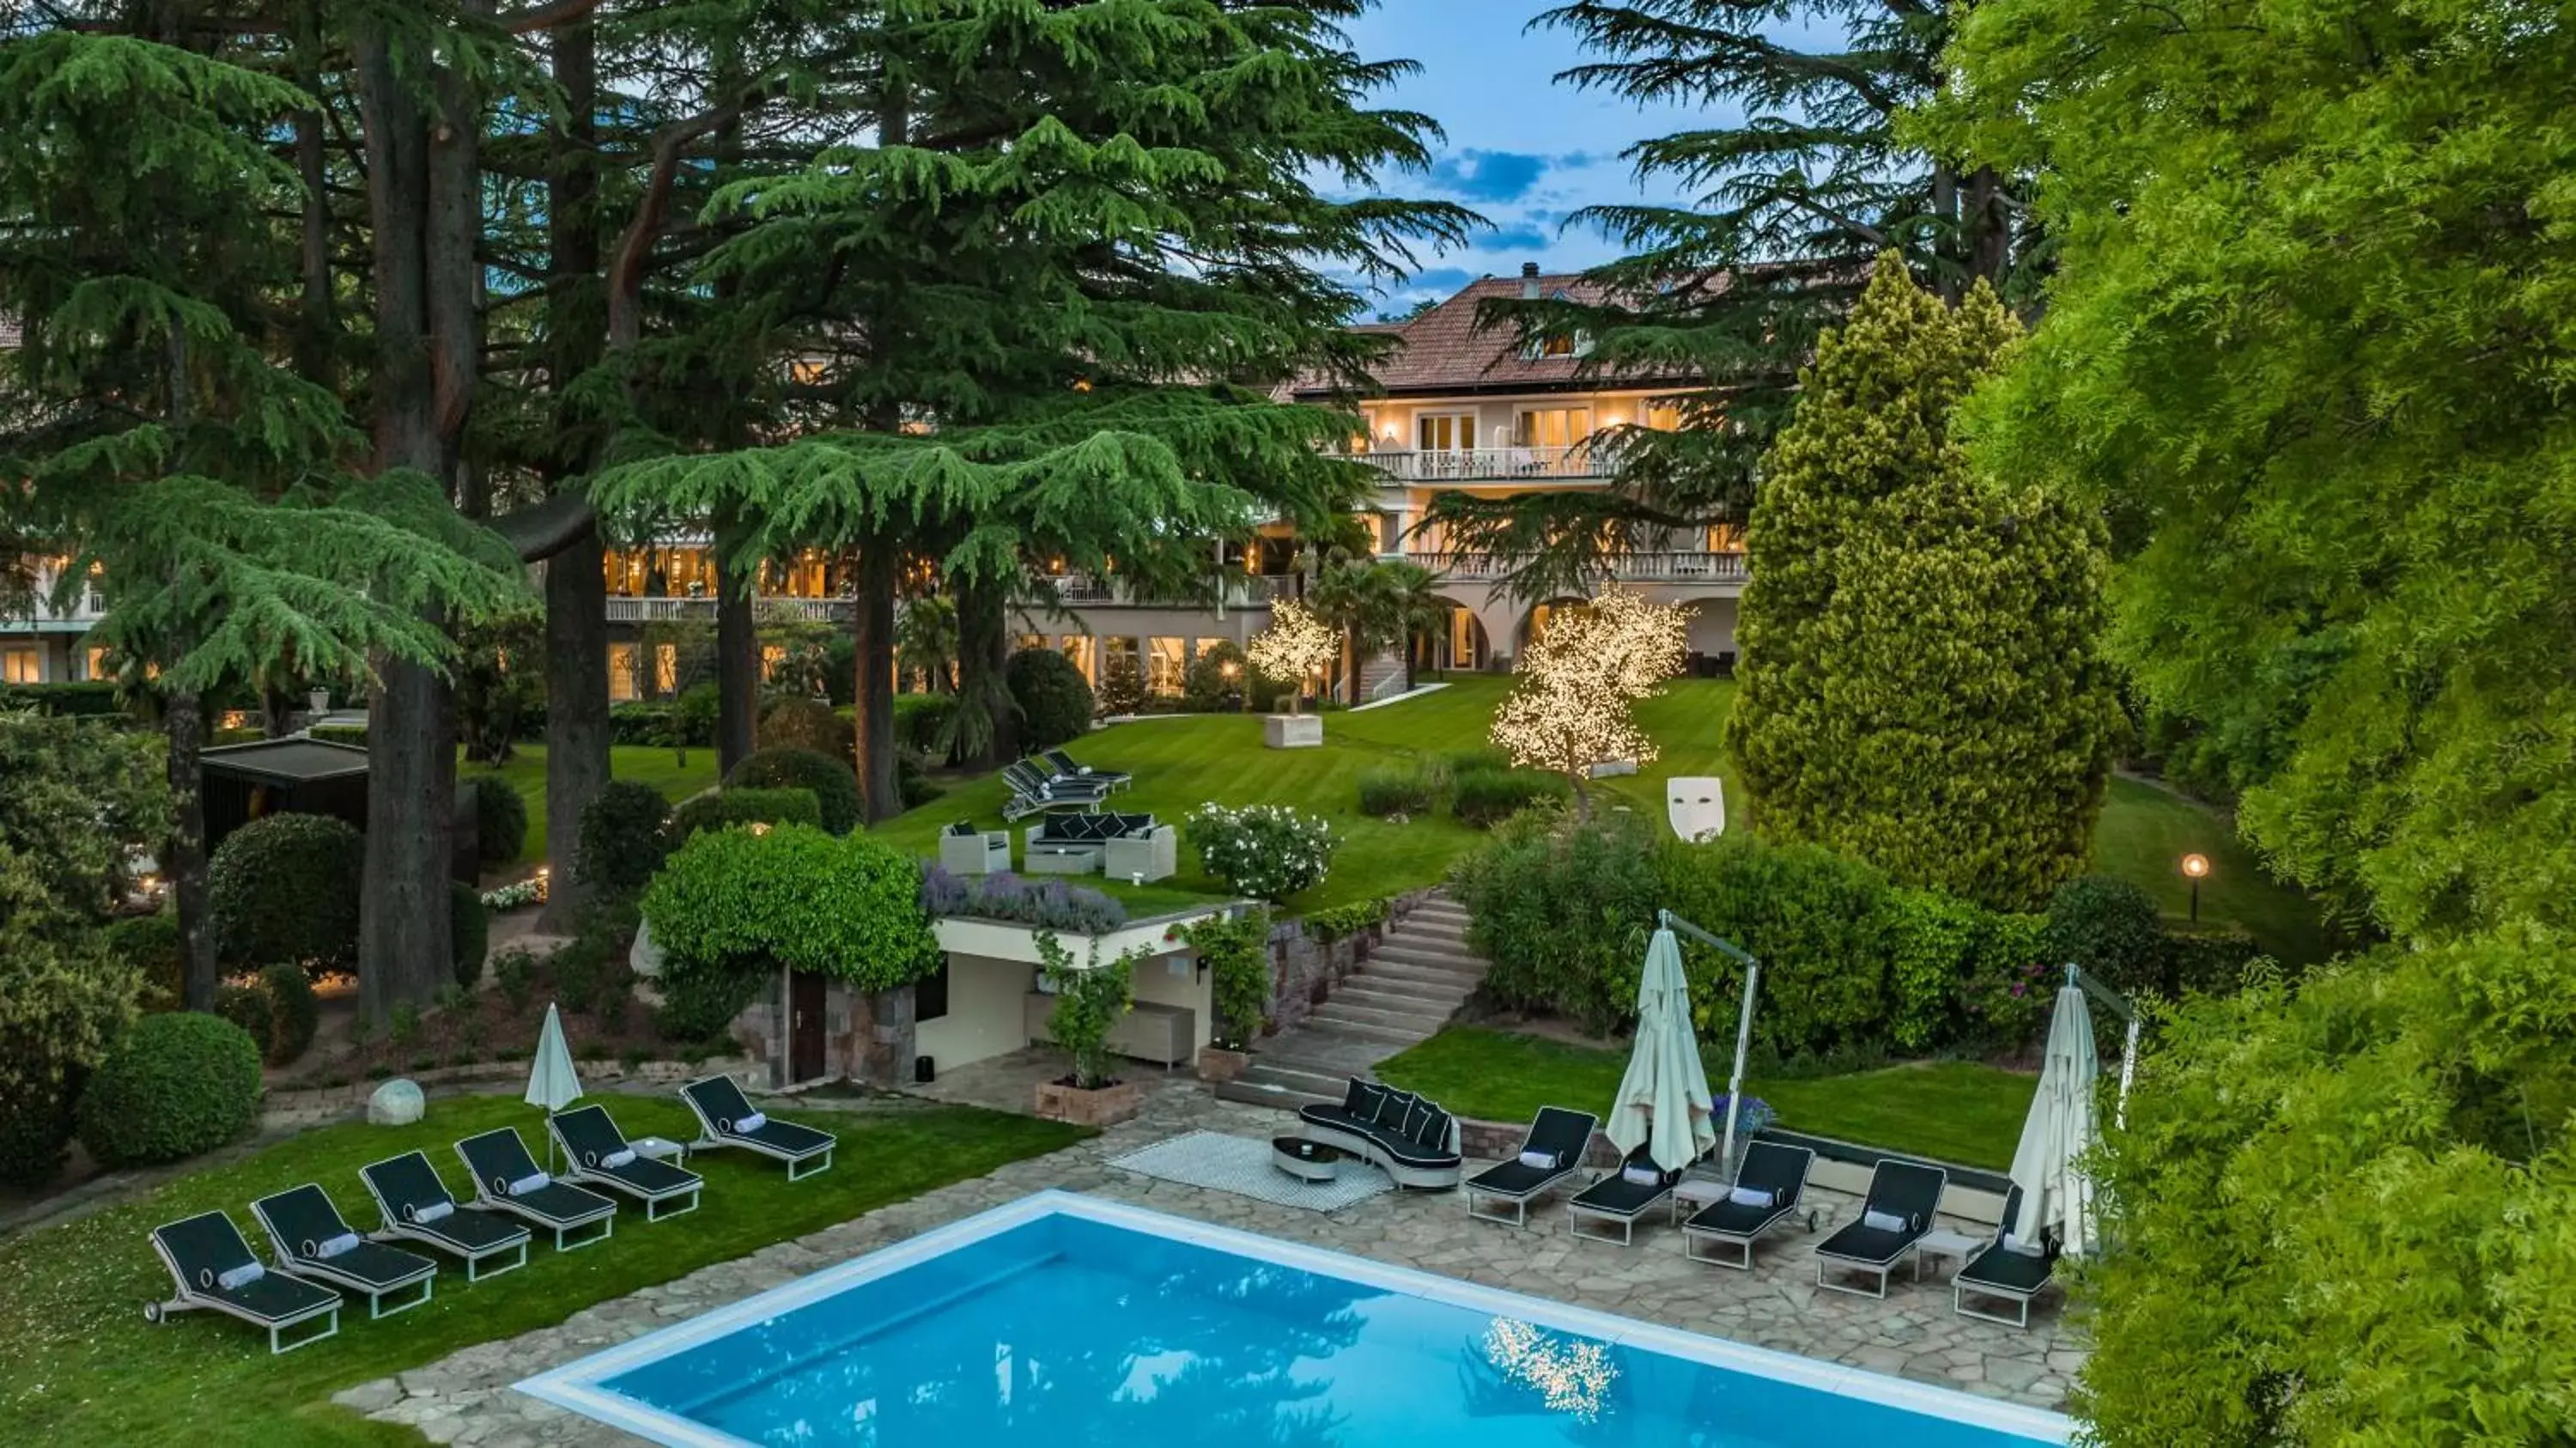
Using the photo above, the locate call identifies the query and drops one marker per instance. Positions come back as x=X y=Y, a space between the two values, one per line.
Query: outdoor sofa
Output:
x=726 y=1117
x=315 y=1242
x=1767 y=1192
x=1619 y=1197
x=1123 y=846
x=216 y=1270
x=1551 y=1152
x=507 y=1179
x=1408 y=1138
x=417 y=1208
x=2006 y=1269
x=601 y=1155
x=1903 y=1197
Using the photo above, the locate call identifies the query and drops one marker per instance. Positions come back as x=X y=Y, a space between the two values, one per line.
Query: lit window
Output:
x=666 y=668
x=1664 y=417
x=22 y=666
x=1165 y=660
x=773 y=657
x=621 y=673
x=95 y=660
x=1552 y=427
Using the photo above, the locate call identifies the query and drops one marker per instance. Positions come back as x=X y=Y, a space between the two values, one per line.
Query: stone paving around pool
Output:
x=466 y=1398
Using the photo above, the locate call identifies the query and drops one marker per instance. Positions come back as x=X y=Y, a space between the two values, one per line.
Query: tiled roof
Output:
x=1444 y=352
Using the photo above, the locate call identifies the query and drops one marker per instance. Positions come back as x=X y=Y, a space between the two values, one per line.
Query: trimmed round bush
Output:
x=836 y=789
x=173 y=1086
x=1214 y=680
x=248 y=1007
x=293 y=1012
x=500 y=820
x=808 y=724
x=34 y=1131
x=722 y=808
x=1269 y=851
x=285 y=888
x=151 y=944
x=1055 y=701
x=2111 y=928
x=621 y=842
x=469 y=938
x=1484 y=797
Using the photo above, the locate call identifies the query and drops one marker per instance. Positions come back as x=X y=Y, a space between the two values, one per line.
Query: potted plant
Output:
x=1296 y=646
x=1089 y=999
x=1236 y=952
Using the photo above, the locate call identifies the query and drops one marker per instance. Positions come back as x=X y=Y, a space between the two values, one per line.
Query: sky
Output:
x=1521 y=149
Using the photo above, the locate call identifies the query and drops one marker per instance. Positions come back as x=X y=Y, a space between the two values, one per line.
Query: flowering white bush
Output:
x=1265 y=850
x=512 y=896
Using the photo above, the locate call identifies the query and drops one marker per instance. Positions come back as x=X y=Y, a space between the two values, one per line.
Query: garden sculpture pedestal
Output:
x=1292 y=731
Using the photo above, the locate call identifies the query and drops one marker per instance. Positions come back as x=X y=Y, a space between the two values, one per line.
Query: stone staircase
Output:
x=1412 y=983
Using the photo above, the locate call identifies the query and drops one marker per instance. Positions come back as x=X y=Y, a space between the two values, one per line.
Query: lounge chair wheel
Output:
x=152 y=1312
x=1811 y=1222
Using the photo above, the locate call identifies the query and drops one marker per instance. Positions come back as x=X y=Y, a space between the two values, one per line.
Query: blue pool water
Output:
x=1071 y=1324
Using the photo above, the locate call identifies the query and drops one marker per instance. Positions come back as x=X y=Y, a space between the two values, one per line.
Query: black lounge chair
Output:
x=417 y=1208
x=1905 y=1195
x=1612 y=1197
x=1035 y=790
x=2007 y=1270
x=723 y=1110
x=316 y=1243
x=1766 y=1193
x=1551 y=1151
x=599 y=1153
x=1408 y=1138
x=1062 y=769
x=507 y=1179
x=216 y=1270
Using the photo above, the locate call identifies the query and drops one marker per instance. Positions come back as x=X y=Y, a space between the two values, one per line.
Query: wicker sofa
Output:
x=1411 y=1139
x=1079 y=844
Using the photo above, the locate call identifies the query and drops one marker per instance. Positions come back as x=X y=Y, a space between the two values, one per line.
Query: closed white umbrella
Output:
x=552 y=1083
x=1664 y=1102
x=2060 y=1130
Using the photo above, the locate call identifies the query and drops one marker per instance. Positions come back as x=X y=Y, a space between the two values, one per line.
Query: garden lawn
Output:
x=645 y=764
x=1948 y=1110
x=2145 y=832
x=82 y=1369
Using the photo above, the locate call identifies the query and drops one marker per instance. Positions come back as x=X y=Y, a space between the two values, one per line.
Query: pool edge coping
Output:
x=577 y=1386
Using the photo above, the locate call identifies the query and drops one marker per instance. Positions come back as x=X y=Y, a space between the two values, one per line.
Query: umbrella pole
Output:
x=1735 y=1080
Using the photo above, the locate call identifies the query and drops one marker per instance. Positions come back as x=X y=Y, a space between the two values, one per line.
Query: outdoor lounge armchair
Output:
x=215 y=1270
x=1616 y=1197
x=1408 y=1138
x=599 y=1153
x=1766 y=1193
x=726 y=1117
x=1061 y=768
x=315 y=1242
x=966 y=850
x=417 y=1208
x=1550 y=1152
x=2007 y=1270
x=507 y=1179
x=1903 y=1196
x=1035 y=791
x=1153 y=853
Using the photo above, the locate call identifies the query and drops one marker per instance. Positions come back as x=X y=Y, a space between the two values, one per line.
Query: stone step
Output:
x=1399 y=952
x=1251 y=1092
x=1401 y=995
x=1445 y=916
x=1467 y=973
x=1395 y=1012
x=1295 y=1075
x=1346 y=1021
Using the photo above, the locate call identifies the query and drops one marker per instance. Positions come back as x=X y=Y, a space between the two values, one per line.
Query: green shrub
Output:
x=1932 y=942
x=622 y=842
x=500 y=819
x=722 y=808
x=2111 y=928
x=1122 y=687
x=514 y=971
x=1055 y=701
x=590 y=970
x=1236 y=951
x=173 y=1085
x=340 y=734
x=35 y=1128
x=1346 y=920
x=1214 y=680
x=1267 y=851
x=1562 y=914
x=1484 y=797
x=1088 y=1003
x=248 y=1007
x=469 y=937
x=796 y=722
x=285 y=888
x=82 y=699
x=912 y=782
x=151 y=944
x=732 y=905
x=694 y=715
x=1816 y=921
x=293 y=1012
x=1452 y=763
x=2210 y=962
x=700 y=1005
x=920 y=719
x=835 y=787
x=1397 y=789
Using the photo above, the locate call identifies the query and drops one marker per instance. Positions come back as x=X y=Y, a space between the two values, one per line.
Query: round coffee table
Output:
x=1307 y=1161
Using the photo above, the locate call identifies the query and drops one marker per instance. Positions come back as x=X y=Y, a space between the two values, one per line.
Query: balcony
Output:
x=41 y=616
x=1498 y=465
x=623 y=609
x=1719 y=569
x=1242 y=590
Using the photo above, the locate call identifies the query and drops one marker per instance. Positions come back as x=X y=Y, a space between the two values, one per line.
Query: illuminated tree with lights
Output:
x=1572 y=704
x=1297 y=644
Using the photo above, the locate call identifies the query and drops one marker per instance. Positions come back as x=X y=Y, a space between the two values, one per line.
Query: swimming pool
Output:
x=1073 y=1322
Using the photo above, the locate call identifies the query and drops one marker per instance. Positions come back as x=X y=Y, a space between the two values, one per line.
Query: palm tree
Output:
x=1349 y=596
x=925 y=642
x=1413 y=605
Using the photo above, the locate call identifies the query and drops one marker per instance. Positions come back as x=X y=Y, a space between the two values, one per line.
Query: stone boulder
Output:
x=398 y=1102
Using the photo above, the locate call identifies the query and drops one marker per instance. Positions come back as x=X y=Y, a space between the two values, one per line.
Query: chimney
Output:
x=1529 y=281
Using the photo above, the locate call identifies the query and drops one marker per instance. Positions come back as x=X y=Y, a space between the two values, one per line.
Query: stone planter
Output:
x=1292 y=731
x=1219 y=1064
x=1107 y=1106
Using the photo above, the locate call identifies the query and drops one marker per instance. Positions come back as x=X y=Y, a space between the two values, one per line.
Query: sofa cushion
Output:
x=1363 y=1099
x=1130 y=825
x=1432 y=1129
x=1392 y=1110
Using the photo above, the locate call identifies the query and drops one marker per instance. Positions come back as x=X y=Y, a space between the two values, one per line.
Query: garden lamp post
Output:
x=2195 y=868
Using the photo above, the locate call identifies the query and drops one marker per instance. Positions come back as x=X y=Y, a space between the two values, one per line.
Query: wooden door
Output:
x=804 y=1026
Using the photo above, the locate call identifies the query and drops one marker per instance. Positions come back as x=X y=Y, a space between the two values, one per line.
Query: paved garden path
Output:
x=466 y=1398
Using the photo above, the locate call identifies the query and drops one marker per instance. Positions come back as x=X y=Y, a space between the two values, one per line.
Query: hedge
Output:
x=1484 y=797
x=173 y=1086
x=500 y=819
x=469 y=937
x=808 y=724
x=1055 y=701
x=834 y=786
x=293 y=1012
x=87 y=699
x=151 y=944
x=732 y=908
x=718 y=809
x=621 y=840
x=285 y=888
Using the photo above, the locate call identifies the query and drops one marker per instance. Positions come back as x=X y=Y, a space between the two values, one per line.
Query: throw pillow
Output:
x=1642 y=1174
x=1543 y=1160
x=1882 y=1221
x=1753 y=1197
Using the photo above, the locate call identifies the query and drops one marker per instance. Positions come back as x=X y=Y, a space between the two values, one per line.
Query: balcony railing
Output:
x=87 y=608
x=1497 y=464
x=623 y=609
x=1700 y=567
x=1242 y=590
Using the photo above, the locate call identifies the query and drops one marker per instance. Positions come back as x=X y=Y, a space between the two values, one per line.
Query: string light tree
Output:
x=1575 y=688
x=1296 y=647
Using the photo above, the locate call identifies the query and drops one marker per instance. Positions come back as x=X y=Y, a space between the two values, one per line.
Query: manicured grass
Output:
x=81 y=1366
x=644 y=764
x=1949 y=1110
x=2144 y=834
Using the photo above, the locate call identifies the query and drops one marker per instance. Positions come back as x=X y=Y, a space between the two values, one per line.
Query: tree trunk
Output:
x=277 y=712
x=577 y=727
x=872 y=637
x=184 y=859
x=983 y=658
x=737 y=658
x=1988 y=226
x=404 y=931
x=1412 y=657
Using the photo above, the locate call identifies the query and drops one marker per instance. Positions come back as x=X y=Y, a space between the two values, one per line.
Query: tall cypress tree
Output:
x=1923 y=681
